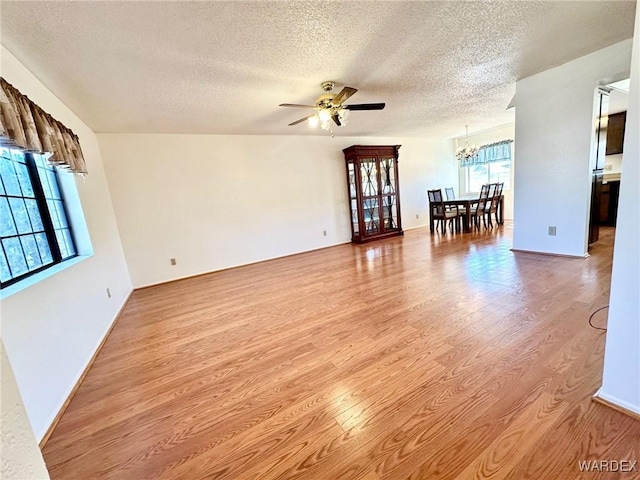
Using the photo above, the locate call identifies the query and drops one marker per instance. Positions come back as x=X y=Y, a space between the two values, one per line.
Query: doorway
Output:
x=611 y=106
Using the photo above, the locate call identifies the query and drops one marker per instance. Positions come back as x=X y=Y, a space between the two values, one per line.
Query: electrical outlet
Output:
x=608 y=167
x=552 y=231
x=417 y=215
x=173 y=261
x=324 y=233
x=108 y=293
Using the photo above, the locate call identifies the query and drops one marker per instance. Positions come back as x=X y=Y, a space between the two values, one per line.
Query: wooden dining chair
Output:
x=492 y=207
x=477 y=207
x=450 y=193
x=439 y=211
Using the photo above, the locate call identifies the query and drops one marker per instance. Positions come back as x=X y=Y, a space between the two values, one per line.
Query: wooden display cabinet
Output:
x=374 y=193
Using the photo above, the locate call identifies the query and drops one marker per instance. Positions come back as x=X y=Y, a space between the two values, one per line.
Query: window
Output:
x=478 y=175
x=34 y=229
x=492 y=164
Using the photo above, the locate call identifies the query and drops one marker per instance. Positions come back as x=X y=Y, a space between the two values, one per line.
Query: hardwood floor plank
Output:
x=348 y=392
x=588 y=431
x=426 y=356
x=516 y=440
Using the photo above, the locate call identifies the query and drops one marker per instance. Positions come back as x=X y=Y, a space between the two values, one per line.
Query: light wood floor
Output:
x=417 y=357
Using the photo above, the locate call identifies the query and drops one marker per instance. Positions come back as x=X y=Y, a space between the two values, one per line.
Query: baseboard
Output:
x=73 y=391
x=620 y=406
x=517 y=250
x=200 y=274
x=415 y=227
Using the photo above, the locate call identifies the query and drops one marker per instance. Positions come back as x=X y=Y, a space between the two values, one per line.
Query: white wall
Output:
x=215 y=201
x=51 y=329
x=20 y=457
x=505 y=132
x=621 y=377
x=554 y=128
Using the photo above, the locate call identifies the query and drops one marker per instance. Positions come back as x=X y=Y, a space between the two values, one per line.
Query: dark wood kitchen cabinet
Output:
x=615 y=133
x=609 y=202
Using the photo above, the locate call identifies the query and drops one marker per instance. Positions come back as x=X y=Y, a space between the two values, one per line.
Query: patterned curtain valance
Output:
x=494 y=152
x=25 y=125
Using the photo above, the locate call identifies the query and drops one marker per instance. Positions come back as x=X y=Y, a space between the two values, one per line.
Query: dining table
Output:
x=466 y=201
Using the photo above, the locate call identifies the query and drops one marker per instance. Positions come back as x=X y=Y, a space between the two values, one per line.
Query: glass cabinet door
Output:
x=388 y=194
x=353 y=199
x=371 y=213
x=370 y=195
x=369 y=177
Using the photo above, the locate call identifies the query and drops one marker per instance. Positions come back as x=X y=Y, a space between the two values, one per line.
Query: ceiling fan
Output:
x=330 y=106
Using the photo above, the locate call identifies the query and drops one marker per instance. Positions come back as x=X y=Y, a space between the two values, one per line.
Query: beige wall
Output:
x=51 y=329
x=20 y=457
x=218 y=201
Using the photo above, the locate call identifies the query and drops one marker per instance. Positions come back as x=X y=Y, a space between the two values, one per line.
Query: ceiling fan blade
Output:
x=301 y=120
x=365 y=106
x=336 y=119
x=344 y=94
x=296 y=105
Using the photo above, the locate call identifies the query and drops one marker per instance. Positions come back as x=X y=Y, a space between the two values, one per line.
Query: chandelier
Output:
x=469 y=152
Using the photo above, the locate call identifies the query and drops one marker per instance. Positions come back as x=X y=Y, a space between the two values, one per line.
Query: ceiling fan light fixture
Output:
x=324 y=114
x=343 y=115
x=329 y=108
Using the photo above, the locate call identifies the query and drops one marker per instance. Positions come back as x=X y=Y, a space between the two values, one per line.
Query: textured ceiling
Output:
x=223 y=67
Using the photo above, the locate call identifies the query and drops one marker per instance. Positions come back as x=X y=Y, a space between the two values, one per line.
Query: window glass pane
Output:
x=62 y=244
x=61 y=214
x=40 y=160
x=20 y=215
x=53 y=212
x=53 y=183
x=500 y=172
x=31 y=253
x=25 y=181
x=9 y=178
x=18 y=155
x=34 y=215
x=478 y=176
x=44 y=181
x=13 y=249
x=7 y=227
x=5 y=273
x=69 y=240
x=43 y=247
